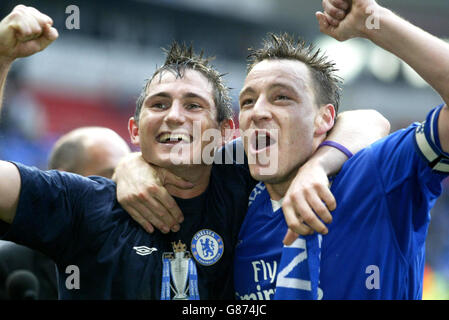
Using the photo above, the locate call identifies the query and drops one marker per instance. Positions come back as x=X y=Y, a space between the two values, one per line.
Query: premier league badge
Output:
x=207 y=247
x=180 y=267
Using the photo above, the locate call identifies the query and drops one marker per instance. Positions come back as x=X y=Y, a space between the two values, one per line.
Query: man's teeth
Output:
x=174 y=137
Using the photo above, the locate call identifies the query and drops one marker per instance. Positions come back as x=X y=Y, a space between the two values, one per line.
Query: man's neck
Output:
x=198 y=175
x=278 y=190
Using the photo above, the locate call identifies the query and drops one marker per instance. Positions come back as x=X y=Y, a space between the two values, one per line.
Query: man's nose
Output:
x=175 y=114
x=261 y=110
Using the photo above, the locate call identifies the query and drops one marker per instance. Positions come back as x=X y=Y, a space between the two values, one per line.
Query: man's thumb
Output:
x=322 y=21
x=290 y=237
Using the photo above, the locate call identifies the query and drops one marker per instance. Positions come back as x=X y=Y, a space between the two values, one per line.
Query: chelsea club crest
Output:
x=207 y=247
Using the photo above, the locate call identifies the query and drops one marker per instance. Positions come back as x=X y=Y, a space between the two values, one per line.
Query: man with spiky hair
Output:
x=375 y=245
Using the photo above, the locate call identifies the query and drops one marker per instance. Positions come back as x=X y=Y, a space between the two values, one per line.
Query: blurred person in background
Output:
x=87 y=151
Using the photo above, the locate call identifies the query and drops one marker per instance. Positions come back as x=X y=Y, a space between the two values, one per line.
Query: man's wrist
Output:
x=5 y=62
x=5 y=65
x=376 y=16
x=329 y=159
x=337 y=146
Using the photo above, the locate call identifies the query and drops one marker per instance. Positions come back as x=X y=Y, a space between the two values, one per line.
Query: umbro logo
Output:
x=144 y=250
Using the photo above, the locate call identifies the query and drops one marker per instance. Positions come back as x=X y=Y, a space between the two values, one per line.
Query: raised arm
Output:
x=23 y=32
x=303 y=205
x=4 y=68
x=425 y=53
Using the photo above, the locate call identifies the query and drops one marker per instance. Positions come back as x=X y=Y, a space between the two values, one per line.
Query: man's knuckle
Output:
x=152 y=188
x=320 y=210
x=36 y=29
x=314 y=185
x=287 y=202
x=160 y=212
x=308 y=191
x=19 y=7
x=141 y=195
x=308 y=218
x=333 y=11
x=131 y=198
x=148 y=216
x=15 y=15
x=294 y=225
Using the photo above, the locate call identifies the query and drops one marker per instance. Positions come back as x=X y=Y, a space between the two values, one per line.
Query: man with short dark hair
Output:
x=375 y=245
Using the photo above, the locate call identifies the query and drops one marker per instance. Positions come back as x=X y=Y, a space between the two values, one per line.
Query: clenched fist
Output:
x=346 y=19
x=23 y=32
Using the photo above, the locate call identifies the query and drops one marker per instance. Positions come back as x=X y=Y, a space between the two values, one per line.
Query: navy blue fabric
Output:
x=78 y=221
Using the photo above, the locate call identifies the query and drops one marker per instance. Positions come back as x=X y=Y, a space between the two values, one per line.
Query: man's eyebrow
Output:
x=246 y=90
x=283 y=85
x=194 y=95
x=272 y=86
x=188 y=95
x=159 y=94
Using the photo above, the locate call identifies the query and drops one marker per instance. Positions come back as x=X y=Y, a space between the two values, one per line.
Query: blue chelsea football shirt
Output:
x=376 y=241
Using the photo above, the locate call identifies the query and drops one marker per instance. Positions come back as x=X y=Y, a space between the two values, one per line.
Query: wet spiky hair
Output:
x=285 y=46
x=180 y=57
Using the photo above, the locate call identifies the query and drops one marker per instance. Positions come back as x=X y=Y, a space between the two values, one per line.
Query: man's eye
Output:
x=247 y=102
x=193 y=106
x=160 y=106
x=282 y=97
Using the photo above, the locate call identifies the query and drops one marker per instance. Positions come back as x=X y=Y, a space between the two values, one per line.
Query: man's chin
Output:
x=177 y=162
x=265 y=174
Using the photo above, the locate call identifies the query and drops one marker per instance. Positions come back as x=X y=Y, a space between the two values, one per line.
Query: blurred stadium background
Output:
x=92 y=76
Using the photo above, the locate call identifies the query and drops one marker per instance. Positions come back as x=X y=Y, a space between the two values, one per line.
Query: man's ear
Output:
x=325 y=119
x=227 y=128
x=133 y=129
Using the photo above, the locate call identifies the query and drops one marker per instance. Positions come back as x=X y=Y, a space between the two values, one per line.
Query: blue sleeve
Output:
x=428 y=143
x=57 y=212
x=413 y=154
x=411 y=167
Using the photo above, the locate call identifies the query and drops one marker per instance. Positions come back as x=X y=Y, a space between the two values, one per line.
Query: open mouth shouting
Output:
x=261 y=141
